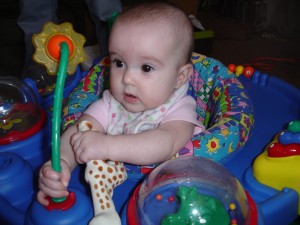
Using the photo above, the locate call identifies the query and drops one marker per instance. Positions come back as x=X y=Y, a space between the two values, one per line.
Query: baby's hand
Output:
x=52 y=183
x=89 y=145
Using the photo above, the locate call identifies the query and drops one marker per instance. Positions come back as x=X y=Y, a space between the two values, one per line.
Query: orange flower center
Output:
x=53 y=46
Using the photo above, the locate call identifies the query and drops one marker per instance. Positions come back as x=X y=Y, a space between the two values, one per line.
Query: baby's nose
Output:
x=128 y=77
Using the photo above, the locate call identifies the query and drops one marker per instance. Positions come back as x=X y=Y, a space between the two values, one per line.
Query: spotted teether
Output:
x=103 y=176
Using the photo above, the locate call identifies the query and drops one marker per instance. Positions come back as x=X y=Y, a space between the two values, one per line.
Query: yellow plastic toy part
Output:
x=47 y=45
x=278 y=172
x=239 y=70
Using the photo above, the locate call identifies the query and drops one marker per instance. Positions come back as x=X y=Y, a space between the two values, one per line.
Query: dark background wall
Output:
x=243 y=30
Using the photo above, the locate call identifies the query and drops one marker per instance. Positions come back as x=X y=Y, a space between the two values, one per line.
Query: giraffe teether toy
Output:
x=103 y=176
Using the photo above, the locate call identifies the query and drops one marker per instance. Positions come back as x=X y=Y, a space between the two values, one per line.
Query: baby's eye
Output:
x=118 y=63
x=146 y=68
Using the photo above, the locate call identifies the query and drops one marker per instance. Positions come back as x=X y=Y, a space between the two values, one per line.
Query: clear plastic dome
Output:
x=20 y=113
x=192 y=190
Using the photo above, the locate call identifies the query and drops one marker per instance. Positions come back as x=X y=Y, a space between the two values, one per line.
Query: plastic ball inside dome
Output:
x=20 y=113
x=190 y=190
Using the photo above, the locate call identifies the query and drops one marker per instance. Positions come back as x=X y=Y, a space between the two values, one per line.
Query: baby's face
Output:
x=144 y=65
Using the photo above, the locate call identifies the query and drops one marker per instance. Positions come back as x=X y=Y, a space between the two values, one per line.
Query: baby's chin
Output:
x=131 y=110
x=135 y=108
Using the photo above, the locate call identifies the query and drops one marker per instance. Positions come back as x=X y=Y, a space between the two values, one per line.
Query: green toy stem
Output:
x=56 y=119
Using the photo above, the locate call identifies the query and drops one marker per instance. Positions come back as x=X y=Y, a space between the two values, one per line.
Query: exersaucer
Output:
x=238 y=128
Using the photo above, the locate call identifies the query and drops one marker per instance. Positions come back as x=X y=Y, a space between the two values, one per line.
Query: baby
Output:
x=146 y=116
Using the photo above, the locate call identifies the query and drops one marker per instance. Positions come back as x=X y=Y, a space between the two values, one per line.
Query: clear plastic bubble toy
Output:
x=20 y=113
x=191 y=190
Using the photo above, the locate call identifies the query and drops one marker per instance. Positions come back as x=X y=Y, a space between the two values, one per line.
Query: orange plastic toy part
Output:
x=47 y=45
x=53 y=46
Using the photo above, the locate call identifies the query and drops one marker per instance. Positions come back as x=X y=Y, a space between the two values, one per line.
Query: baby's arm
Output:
x=148 y=147
x=67 y=152
x=52 y=183
x=152 y=146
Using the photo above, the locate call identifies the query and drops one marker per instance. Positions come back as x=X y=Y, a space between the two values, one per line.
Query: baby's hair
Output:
x=150 y=12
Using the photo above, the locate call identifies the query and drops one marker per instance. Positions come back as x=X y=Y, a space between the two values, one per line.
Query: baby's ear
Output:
x=183 y=75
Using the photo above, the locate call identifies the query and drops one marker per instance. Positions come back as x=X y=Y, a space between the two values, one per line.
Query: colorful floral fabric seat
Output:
x=222 y=105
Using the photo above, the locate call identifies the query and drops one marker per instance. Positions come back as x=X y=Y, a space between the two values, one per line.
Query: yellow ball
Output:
x=239 y=70
x=232 y=206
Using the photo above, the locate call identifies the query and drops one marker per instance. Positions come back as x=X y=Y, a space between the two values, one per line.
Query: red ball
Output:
x=231 y=67
x=171 y=198
x=248 y=71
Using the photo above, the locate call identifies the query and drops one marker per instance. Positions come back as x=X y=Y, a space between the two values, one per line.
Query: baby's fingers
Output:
x=52 y=182
x=75 y=139
x=52 y=192
x=41 y=197
x=65 y=174
x=48 y=173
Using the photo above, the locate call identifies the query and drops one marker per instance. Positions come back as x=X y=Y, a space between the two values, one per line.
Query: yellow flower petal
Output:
x=41 y=54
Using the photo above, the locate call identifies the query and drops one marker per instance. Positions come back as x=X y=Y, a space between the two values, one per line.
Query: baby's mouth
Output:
x=130 y=98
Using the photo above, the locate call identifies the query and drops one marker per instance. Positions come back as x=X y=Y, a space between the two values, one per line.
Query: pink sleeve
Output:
x=99 y=110
x=185 y=110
